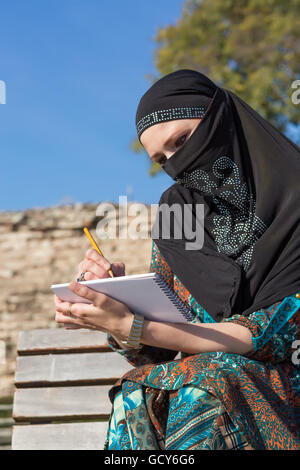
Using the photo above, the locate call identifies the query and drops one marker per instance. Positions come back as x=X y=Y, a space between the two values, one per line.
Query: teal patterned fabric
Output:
x=191 y=423
x=212 y=400
x=283 y=313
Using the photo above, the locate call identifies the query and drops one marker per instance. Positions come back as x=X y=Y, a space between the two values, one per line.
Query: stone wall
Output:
x=40 y=247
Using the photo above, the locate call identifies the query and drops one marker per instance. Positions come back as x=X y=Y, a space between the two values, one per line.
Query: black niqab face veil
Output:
x=247 y=176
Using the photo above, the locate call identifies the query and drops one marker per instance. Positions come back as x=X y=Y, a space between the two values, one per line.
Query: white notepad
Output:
x=146 y=294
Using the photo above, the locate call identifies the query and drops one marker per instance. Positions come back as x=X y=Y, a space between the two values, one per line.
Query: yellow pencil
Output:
x=95 y=246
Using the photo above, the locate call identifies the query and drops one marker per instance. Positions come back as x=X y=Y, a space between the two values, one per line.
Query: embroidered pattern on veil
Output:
x=236 y=227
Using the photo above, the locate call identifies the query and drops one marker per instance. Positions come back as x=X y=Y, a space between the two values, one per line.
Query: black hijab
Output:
x=247 y=175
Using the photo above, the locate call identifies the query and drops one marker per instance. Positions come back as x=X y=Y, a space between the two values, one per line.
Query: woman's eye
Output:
x=181 y=140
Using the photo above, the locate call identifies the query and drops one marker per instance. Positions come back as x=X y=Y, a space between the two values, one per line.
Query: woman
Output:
x=236 y=385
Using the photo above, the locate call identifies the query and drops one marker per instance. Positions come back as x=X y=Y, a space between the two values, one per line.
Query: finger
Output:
x=90 y=276
x=61 y=318
x=85 y=292
x=65 y=308
x=92 y=267
x=57 y=300
x=100 y=260
x=84 y=311
x=82 y=276
x=74 y=322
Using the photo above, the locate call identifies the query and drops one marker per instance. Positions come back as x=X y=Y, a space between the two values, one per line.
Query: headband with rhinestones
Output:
x=169 y=115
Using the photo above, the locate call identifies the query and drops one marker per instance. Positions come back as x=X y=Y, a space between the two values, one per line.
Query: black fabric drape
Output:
x=247 y=175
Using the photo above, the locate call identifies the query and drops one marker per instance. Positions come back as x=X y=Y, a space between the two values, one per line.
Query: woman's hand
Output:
x=104 y=313
x=96 y=266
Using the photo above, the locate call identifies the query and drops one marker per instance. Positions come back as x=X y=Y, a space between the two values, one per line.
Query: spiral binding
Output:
x=173 y=297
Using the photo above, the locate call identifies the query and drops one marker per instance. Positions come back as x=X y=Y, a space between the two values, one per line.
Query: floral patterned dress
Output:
x=212 y=400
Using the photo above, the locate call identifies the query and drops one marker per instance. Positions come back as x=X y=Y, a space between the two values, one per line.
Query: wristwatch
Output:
x=135 y=333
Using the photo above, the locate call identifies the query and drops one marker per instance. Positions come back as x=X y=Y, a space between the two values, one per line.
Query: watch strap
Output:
x=135 y=333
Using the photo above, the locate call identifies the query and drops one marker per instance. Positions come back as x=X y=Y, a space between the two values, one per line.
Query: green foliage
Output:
x=251 y=47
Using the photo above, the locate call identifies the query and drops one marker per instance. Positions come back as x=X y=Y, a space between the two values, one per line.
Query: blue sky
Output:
x=74 y=73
